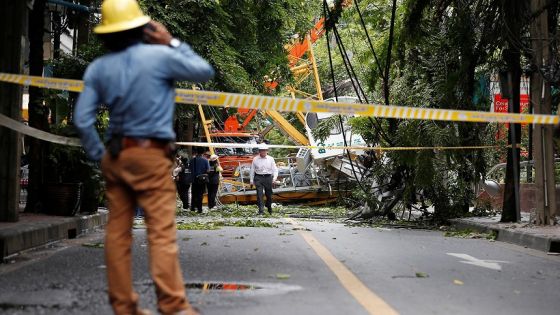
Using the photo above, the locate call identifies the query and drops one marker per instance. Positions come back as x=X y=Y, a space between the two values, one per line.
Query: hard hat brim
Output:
x=122 y=26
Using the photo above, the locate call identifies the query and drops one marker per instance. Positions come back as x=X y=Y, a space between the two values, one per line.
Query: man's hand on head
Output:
x=156 y=33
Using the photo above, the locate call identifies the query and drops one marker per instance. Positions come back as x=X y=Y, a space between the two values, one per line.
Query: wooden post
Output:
x=12 y=17
x=541 y=101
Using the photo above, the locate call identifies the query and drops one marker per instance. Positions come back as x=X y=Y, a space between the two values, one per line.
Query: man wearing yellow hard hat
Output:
x=136 y=81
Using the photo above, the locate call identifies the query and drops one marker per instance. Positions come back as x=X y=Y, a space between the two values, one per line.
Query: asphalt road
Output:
x=412 y=271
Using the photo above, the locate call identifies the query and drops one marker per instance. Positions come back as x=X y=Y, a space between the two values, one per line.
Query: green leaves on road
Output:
x=468 y=233
x=282 y=276
x=94 y=245
x=215 y=225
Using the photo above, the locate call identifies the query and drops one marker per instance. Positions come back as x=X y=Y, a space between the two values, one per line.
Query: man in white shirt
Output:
x=263 y=173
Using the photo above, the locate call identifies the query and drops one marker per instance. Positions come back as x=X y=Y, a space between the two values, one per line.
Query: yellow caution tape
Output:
x=43 y=82
x=36 y=133
x=365 y=148
x=49 y=137
x=222 y=99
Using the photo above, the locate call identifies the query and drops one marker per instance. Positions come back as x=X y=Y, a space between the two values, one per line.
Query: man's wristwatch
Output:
x=174 y=43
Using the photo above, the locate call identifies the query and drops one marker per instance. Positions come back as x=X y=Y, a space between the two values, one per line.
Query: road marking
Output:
x=470 y=260
x=370 y=301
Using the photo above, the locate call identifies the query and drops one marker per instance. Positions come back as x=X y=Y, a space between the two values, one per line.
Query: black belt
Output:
x=263 y=175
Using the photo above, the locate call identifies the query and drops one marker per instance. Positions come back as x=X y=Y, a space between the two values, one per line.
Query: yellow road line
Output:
x=370 y=301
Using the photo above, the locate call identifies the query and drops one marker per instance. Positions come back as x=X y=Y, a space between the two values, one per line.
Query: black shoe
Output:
x=260 y=213
x=269 y=210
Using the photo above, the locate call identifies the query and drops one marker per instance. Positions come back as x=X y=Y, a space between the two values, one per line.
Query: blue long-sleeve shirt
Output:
x=137 y=84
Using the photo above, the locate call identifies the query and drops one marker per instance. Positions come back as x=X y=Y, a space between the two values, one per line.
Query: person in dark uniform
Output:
x=184 y=180
x=199 y=171
x=213 y=180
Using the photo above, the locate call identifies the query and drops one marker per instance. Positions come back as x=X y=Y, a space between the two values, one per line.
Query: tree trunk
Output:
x=514 y=19
x=511 y=210
x=12 y=17
x=387 y=74
x=57 y=32
x=544 y=149
x=38 y=113
x=83 y=26
x=468 y=64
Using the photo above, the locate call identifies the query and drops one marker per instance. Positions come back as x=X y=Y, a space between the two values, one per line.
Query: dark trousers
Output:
x=197 y=193
x=212 y=193
x=183 y=190
x=138 y=212
x=264 y=183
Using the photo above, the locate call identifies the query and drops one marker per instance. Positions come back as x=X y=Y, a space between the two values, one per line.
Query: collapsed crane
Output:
x=312 y=175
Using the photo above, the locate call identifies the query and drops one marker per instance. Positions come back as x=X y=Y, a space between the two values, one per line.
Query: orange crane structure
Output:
x=235 y=162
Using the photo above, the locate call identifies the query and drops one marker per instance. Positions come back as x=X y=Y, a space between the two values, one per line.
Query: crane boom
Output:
x=287 y=127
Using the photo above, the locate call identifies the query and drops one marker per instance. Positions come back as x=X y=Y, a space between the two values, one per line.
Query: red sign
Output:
x=501 y=104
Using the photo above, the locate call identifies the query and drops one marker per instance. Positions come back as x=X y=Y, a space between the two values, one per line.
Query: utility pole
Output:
x=541 y=100
x=12 y=19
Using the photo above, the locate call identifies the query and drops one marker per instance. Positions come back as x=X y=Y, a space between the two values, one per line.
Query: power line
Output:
x=325 y=10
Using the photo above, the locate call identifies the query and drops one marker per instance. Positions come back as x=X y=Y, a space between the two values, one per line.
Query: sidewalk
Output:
x=33 y=230
x=543 y=238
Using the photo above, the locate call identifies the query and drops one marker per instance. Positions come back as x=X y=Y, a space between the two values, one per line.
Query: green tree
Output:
x=444 y=52
x=244 y=41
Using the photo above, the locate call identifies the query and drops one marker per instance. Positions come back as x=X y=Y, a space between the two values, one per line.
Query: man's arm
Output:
x=85 y=115
x=274 y=169
x=252 y=172
x=184 y=63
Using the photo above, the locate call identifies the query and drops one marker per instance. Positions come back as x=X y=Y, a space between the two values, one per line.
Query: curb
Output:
x=30 y=235
x=529 y=240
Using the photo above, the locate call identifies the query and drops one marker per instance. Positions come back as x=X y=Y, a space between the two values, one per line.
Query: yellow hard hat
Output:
x=120 y=15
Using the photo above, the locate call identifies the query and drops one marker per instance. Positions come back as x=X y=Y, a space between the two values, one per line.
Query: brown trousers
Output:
x=142 y=176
